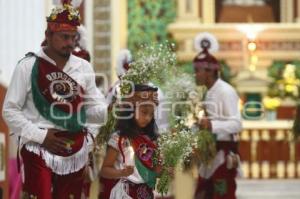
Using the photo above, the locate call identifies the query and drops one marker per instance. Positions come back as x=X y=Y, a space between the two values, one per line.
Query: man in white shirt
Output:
x=50 y=105
x=224 y=121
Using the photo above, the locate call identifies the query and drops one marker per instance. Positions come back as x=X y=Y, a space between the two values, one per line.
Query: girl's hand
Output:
x=127 y=171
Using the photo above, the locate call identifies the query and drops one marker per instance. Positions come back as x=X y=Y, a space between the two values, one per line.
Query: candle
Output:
x=129 y=160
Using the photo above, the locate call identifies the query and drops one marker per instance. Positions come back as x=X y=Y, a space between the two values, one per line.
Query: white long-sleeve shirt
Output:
x=222 y=106
x=19 y=110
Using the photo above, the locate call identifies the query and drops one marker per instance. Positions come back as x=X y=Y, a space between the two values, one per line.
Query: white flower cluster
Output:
x=182 y=87
x=184 y=140
x=176 y=147
x=151 y=64
x=57 y=10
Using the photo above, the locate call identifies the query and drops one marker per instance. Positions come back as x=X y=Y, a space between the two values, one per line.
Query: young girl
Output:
x=128 y=170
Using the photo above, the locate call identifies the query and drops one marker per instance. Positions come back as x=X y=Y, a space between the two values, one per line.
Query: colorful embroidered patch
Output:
x=220 y=187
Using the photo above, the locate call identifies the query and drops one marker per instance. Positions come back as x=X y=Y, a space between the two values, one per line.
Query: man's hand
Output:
x=53 y=143
x=205 y=123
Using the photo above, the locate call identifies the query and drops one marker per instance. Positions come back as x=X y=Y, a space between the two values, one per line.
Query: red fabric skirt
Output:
x=41 y=183
x=221 y=185
x=136 y=191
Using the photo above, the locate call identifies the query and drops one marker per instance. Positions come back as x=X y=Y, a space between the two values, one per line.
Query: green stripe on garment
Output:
x=148 y=176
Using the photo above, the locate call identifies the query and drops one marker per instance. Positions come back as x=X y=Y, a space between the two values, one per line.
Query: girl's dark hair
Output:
x=126 y=124
x=129 y=128
x=143 y=87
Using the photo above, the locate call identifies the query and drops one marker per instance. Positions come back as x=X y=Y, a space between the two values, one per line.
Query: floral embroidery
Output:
x=143 y=192
x=145 y=152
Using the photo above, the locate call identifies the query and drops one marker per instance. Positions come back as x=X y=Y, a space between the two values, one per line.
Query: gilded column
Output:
x=118 y=32
x=297 y=11
x=188 y=10
x=286 y=11
x=208 y=10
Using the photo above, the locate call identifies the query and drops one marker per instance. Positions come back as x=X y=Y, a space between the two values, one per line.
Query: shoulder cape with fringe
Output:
x=57 y=96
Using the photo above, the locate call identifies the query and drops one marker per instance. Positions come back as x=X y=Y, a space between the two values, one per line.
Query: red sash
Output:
x=58 y=87
x=57 y=96
x=144 y=150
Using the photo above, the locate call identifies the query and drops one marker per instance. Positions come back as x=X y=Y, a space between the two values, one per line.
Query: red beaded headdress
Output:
x=65 y=16
x=206 y=43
